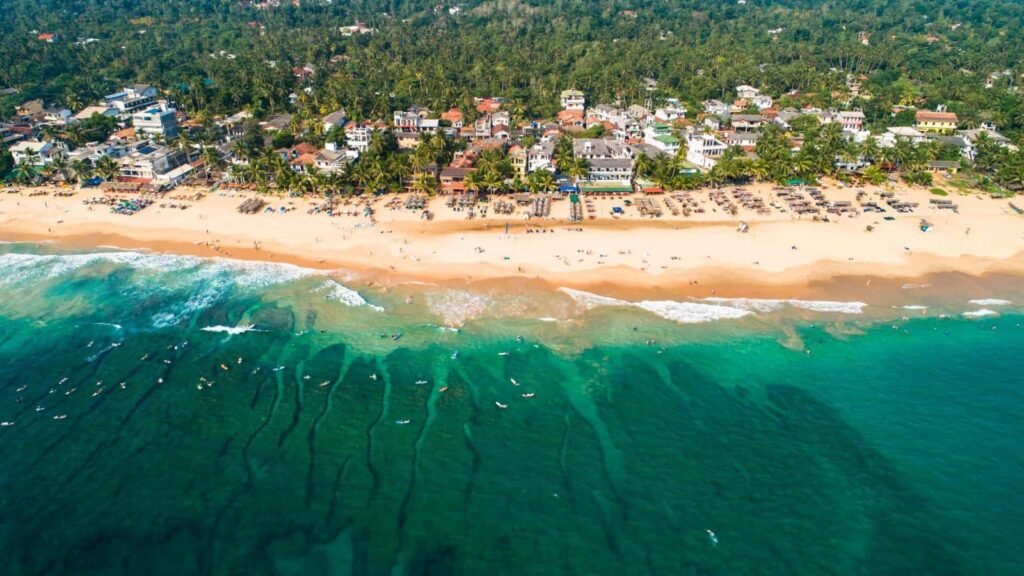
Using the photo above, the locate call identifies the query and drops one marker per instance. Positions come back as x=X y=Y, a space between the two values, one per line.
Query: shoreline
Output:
x=780 y=257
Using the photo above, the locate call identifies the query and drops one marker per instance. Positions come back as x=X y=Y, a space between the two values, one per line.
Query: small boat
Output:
x=325 y=383
x=22 y=389
x=306 y=377
x=7 y=423
x=500 y=405
x=159 y=380
x=502 y=353
x=519 y=339
x=396 y=336
x=40 y=408
x=443 y=389
x=711 y=535
x=455 y=355
x=70 y=392
x=421 y=382
x=401 y=422
x=278 y=369
x=60 y=417
x=514 y=383
x=373 y=377
x=224 y=367
x=239 y=360
x=528 y=395
x=62 y=380
x=144 y=357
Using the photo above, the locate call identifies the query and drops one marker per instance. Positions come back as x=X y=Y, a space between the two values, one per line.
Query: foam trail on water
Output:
x=232 y=330
x=769 y=305
x=980 y=313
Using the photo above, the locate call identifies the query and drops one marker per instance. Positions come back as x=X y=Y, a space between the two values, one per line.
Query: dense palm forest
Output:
x=218 y=55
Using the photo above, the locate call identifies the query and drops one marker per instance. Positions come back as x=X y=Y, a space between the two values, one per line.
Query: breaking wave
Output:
x=231 y=330
x=711 y=309
x=770 y=305
x=197 y=283
x=990 y=302
x=980 y=313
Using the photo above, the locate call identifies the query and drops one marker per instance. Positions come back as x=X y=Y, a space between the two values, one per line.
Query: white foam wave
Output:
x=548 y=319
x=990 y=302
x=691 y=312
x=914 y=307
x=588 y=300
x=204 y=281
x=711 y=309
x=764 y=305
x=336 y=292
x=980 y=313
x=231 y=330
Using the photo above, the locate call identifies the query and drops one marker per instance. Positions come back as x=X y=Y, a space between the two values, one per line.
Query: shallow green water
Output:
x=142 y=444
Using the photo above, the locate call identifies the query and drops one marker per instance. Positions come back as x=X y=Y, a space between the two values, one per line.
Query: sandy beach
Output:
x=699 y=254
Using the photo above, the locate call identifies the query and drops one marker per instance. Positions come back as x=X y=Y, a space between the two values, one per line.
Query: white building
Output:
x=716 y=107
x=155 y=122
x=660 y=136
x=762 y=101
x=35 y=152
x=748 y=92
x=359 y=135
x=573 y=100
x=703 y=150
x=131 y=99
x=850 y=120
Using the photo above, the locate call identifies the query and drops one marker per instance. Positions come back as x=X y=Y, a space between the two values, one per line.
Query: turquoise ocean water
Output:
x=168 y=415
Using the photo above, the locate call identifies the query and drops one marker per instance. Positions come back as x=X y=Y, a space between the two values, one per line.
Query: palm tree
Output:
x=185 y=145
x=425 y=183
x=23 y=173
x=577 y=168
x=541 y=181
x=212 y=161
x=108 y=168
x=79 y=170
x=642 y=167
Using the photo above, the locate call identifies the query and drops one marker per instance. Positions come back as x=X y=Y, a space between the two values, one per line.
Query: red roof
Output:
x=46 y=37
x=929 y=116
x=488 y=106
x=564 y=115
x=453 y=115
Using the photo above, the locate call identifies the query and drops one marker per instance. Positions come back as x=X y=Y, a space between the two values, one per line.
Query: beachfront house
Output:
x=703 y=149
x=941 y=122
x=453 y=180
x=153 y=164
